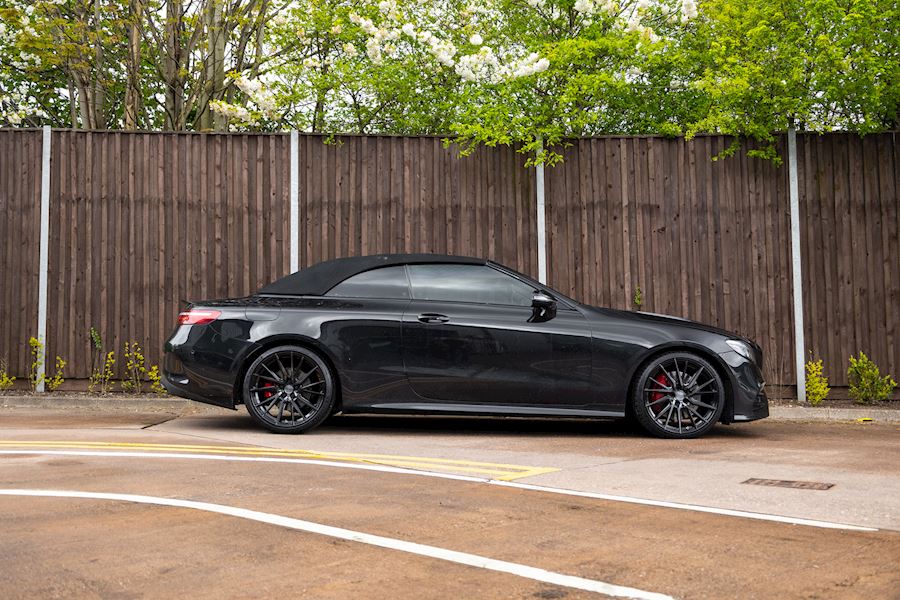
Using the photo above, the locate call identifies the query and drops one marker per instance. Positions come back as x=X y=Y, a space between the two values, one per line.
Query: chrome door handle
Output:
x=433 y=318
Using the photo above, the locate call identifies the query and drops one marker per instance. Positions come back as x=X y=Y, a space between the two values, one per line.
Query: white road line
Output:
x=463 y=558
x=468 y=478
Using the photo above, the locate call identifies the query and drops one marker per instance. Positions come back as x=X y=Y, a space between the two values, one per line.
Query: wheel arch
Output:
x=287 y=340
x=715 y=360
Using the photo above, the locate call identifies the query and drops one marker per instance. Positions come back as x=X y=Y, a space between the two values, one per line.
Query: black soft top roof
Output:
x=319 y=278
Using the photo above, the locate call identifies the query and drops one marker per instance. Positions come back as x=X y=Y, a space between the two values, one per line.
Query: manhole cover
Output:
x=797 y=485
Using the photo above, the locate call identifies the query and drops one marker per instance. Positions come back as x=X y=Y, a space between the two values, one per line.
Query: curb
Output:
x=802 y=413
x=131 y=403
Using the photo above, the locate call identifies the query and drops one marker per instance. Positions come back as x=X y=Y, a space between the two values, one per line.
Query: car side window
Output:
x=468 y=283
x=386 y=282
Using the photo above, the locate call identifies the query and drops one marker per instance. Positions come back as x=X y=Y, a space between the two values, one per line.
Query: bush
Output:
x=37 y=359
x=155 y=378
x=135 y=368
x=101 y=378
x=96 y=360
x=816 y=384
x=867 y=386
x=6 y=382
x=54 y=382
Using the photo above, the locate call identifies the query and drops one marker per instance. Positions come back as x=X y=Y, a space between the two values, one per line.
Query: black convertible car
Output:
x=434 y=334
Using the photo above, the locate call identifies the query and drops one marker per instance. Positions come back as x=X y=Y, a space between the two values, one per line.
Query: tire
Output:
x=289 y=389
x=687 y=409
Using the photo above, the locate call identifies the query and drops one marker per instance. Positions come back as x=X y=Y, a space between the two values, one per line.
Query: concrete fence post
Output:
x=541 y=219
x=295 y=201
x=44 y=253
x=796 y=272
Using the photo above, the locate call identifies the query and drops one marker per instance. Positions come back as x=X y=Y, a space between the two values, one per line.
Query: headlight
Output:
x=741 y=348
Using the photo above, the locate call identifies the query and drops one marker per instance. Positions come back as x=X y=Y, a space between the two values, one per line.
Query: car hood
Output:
x=662 y=320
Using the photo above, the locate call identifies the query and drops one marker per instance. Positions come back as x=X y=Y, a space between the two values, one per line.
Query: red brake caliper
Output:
x=662 y=381
x=267 y=394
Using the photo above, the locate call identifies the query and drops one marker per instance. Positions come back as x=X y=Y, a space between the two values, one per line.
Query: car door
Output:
x=362 y=326
x=469 y=337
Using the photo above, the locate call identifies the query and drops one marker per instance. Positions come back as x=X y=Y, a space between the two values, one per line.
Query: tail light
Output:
x=198 y=317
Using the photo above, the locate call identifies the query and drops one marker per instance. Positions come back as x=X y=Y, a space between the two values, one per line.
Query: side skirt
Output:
x=481 y=410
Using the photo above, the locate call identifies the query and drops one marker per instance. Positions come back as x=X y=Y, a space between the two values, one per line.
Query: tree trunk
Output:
x=98 y=96
x=317 y=113
x=173 y=80
x=133 y=86
x=85 y=105
x=73 y=104
x=215 y=67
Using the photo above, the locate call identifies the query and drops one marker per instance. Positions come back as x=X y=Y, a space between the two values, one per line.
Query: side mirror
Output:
x=543 y=307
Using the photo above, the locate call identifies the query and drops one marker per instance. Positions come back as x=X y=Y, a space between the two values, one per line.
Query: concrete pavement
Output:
x=101 y=548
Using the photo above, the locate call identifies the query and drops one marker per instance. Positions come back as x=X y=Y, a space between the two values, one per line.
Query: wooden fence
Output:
x=20 y=198
x=142 y=221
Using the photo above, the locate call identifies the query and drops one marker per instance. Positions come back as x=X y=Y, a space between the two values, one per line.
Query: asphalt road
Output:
x=205 y=505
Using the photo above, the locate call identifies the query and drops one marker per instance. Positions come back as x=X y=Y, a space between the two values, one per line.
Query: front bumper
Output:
x=749 y=400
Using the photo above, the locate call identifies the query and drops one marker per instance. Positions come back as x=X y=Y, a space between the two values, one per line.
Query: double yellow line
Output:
x=498 y=471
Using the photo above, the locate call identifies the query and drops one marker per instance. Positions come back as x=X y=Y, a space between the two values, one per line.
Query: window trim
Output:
x=563 y=302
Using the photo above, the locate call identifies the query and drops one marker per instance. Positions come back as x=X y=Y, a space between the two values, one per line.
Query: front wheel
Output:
x=678 y=395
x=289 y=389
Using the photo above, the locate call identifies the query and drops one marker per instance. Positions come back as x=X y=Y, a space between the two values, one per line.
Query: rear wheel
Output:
x=678 y=395
x=289 y=389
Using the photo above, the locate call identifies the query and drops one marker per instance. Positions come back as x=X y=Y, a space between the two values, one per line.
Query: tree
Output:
x=531 y=73
x=820 y=65
x=61 y=44
x=501 y=72
x=127 y=63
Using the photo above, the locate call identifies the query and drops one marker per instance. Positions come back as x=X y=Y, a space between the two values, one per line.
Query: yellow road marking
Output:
x=498 y=471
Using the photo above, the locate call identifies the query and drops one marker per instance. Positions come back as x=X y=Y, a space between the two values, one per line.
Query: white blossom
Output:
x=350 y=50
x=365 y=24
x=373 y=50
x=482 y=65
x=585 y=7
x=527 y=66
x=247 y=86
x=258 y=94
x=232 y=111
x=688 y=10
x=476 y=40
x=409 y=30
x=266 y=102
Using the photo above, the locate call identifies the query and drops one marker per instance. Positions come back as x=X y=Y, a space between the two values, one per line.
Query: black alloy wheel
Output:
x=289 y=389
x=678 y=395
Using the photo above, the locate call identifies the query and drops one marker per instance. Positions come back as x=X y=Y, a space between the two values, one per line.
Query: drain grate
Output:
x=797 y=485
